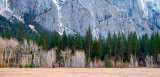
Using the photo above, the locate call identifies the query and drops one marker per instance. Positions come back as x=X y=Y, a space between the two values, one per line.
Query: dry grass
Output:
x=80 y=72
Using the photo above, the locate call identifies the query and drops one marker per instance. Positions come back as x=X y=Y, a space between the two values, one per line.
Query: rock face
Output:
x=142 y=16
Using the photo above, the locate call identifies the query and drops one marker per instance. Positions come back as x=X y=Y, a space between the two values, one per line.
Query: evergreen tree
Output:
x=129 y=46
x=120 y=46
x=152 y=44
x=99 y=53
x=28 y=38
x=74 y=44
x=146 y=45
x=60 y=43
x=142 y=47
x=11 y=35
x=135 y=45
x=47 y=41
x=7 y=33
x=157 y=45
x=89 y=42
x=95 y=50
x=124 y=54
x=20 y=35
x=55 y=39
x=115 y=48
x=69 y=41
x=109 y=45
x=79 y=41
x=33 y=38
x=42 y=41
x=52 y=41
x=3 y=34
x=64 y=40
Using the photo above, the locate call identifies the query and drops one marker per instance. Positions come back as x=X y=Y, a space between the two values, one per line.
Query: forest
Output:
x=49 y=49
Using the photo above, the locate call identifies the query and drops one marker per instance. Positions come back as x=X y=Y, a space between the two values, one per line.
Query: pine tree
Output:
x=3 y=34
x=79 y=41
x=135 y=45
x=115 y=43
x=120 y=46
x=109 y=45
x=7 y=33
x=60 y=43
x=52 y=38
x=64 y=40
x=55 y=39
x=47 y=41
x=28 y=38
x=74 y=44
x=11 y=35
x=95 y=50
x=152 y=44
x=89 y=42
x=42 y=41
x=129 y=46
x=20 y=35
x=33 y=38
x=115 y=47
x=146 y=45
x=99 y=53
x=124 y=54
x=157 y=45
x=69 y=41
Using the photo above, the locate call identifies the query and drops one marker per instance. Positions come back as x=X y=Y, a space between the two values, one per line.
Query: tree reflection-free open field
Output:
x=80 y=72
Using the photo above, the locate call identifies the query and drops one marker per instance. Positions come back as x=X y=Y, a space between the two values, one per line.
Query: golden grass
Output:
x=80 y=72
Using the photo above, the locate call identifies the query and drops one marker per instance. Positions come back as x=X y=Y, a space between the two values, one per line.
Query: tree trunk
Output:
x=2 y=59
x=15 y=58
x=68 y=58
x=5 y=58
x=89 y=56
x=9 y=57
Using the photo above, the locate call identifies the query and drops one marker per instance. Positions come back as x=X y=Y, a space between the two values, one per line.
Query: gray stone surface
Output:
x=142 y=16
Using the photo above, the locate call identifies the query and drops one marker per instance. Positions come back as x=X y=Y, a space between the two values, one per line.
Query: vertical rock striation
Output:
x=125 y=16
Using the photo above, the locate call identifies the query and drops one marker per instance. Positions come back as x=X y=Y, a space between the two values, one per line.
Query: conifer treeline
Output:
x=114 y=46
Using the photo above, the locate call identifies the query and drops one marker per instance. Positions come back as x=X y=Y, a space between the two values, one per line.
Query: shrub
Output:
x=108 y=63
x=26 y=66
x=31 y=66
x=20 y=66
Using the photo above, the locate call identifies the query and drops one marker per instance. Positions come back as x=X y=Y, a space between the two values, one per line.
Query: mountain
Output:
x=73 y=16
